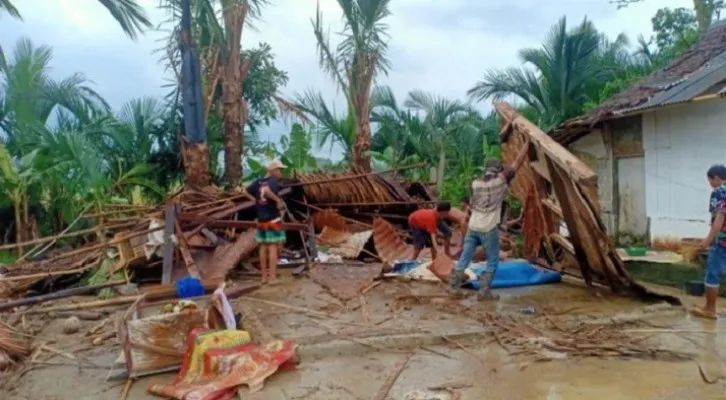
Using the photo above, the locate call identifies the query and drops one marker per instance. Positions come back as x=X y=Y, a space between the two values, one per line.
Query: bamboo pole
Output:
x=55 y=238
x=104 y=245
x=57 y=295
x=66 y=236
x=50 y=274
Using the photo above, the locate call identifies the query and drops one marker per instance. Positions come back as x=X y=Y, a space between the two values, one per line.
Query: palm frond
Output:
x=326 y=58
x=8 y=7
x=129 y=15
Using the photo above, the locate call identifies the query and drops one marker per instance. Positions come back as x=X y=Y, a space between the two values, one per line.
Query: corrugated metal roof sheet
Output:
x=352 y=246
x=690 y=87
x=708 y=48
x=664 y=84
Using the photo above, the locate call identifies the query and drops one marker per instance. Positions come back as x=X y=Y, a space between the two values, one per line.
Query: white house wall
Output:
x=680 y=144
x=595 y=150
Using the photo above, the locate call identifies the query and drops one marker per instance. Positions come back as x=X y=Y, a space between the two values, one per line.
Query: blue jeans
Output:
x=490 y=242
x=715 y=265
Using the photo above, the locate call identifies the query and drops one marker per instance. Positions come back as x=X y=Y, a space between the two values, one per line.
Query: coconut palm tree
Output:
x=66 y=139
x=355 y=62
x=29 y=96
x=128 y=14
x=330 y=129
x=556 y=76
x=227 y=72
x=396 y=140
x=442 y=118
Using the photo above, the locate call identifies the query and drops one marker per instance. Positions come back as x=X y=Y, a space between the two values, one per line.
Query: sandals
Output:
x=701 y=313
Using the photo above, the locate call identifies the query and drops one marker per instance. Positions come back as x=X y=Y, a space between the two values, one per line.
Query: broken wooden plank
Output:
x=57 y=295
x=169 y=245
x=553 y=206
x=566 y=160
x=185 y=252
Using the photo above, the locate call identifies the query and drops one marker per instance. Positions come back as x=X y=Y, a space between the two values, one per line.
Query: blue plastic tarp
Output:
x=515 y=273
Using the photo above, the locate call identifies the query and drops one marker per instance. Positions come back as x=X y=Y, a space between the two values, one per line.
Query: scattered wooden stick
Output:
x=392 y=378
x=289 y=307
x=97 y=328
x=370 y=287
x=705 y=378
x=451 y=386
x=364 y=309
x=50 y=274
x=86 y=305
x=461 y=346
x=438 y=353
x=54 y=238
x=59 y=352
x=102 y=338
x=127 y=389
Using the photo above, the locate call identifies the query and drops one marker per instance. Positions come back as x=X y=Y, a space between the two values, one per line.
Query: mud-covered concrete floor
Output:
x=334 y=369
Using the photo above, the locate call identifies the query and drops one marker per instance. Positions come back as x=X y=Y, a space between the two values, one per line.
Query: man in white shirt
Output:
x=487 y=195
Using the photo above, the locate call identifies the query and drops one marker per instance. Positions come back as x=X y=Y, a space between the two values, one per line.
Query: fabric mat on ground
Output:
x=414 y=269
x=216 y=363
x=512 y=273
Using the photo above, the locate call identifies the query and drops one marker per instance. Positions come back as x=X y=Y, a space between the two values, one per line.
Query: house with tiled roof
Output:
x=652 y=144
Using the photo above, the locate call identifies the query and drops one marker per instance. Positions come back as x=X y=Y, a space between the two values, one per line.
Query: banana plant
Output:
x=16 y=179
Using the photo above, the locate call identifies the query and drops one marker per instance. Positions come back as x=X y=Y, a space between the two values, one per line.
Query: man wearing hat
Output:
x=488 y=193
x=269 y=209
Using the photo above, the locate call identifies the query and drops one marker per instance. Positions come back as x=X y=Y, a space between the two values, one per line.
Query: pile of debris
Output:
x=209 y=234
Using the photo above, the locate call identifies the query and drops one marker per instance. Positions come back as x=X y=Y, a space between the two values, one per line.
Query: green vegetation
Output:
x=64 y=150
x=674 y=275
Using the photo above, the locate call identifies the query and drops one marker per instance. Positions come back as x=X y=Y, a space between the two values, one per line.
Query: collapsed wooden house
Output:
x=557 y=188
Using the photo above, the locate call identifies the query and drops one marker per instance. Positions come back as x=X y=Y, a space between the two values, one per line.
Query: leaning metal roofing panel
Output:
x=695 y=84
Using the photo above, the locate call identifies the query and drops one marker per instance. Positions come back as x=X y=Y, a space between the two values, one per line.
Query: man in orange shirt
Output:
x=425 y=224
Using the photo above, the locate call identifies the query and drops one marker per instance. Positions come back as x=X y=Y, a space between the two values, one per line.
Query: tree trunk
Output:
x=440 y=171
x=234 y=110
x=19 y=225
x=194 y=152
x=195 y=157
x=703 y=16
x=362 y=146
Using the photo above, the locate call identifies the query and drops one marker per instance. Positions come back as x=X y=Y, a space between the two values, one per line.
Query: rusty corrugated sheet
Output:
x=356 y=189
x=345 y=281
x=442 y=267
x=333 y=237
x=388 y=243
x=331 y=219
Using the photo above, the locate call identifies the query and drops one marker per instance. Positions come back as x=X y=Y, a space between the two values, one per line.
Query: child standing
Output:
x=716 y=239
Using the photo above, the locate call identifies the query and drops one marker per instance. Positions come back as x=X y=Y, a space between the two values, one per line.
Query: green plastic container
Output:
x=636 y=251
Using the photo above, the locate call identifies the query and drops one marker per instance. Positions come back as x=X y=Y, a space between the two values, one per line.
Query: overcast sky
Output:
x=436 y=45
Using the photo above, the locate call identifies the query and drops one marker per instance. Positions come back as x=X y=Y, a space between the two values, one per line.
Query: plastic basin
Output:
x=636 y=251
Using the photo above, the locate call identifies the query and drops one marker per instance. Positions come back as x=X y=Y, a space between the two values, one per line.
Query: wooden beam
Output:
x=563 y=242
x=553 y=206
x=169 y=245
x=566 y=160
x=214 y=223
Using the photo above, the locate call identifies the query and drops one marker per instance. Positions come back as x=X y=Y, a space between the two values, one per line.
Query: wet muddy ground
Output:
x=350 y=354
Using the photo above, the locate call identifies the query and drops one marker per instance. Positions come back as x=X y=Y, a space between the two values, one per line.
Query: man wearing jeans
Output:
x=487 y=195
